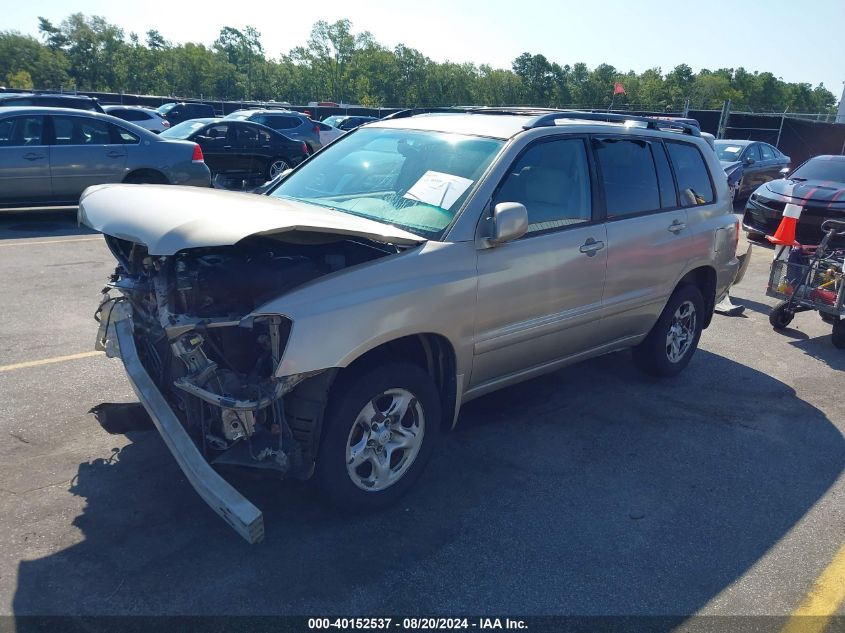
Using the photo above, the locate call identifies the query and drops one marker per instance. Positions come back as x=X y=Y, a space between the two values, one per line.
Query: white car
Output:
x=328 y=133
x=146 y=118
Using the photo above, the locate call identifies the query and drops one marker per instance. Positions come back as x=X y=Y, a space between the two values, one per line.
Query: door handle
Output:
x=114 y=154
x=676 y=227
x=31 y=156
x=591 y=247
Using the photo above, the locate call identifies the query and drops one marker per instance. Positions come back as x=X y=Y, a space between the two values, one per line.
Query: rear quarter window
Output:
x=691 y=172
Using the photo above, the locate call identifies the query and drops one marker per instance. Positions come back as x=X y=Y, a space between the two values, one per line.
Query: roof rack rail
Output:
x=404 y=114
x=547 y=120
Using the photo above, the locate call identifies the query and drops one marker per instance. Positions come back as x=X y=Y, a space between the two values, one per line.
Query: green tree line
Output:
x=337 y=64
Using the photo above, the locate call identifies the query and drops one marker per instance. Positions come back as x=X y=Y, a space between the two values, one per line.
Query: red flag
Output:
x=618 y=89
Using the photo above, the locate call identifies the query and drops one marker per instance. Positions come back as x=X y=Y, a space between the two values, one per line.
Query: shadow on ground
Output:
x=589 y=491
x=40 y=223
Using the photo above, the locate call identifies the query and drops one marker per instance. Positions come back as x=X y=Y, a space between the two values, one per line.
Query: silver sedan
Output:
x=49 y=156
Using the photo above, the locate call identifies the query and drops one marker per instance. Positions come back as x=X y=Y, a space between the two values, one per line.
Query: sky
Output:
x=630 y=35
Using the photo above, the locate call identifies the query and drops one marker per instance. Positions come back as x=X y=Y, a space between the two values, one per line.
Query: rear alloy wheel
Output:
x=379 y=433
x=276 y=167
x=673 y=340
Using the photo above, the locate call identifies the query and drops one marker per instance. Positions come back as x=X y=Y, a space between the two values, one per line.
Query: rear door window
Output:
x=134 y=115
x=753 y=151
x=691 y=172
x=123 y=136
x=72 y=130
x=766 y=152
x=282 y=122
x=628 y=176
x=668 y=195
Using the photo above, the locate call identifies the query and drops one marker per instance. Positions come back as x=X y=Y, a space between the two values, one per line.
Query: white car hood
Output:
x=167 y=218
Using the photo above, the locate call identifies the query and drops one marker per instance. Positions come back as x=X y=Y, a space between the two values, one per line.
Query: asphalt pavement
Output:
x=593 y=490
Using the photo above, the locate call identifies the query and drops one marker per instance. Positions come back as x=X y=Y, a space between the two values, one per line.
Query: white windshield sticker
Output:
x=438 y=189
x=732 y=149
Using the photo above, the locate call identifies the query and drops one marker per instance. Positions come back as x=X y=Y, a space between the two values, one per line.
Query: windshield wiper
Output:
x=799 y=179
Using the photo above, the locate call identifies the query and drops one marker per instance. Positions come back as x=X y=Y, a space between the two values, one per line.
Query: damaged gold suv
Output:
x=333 y=326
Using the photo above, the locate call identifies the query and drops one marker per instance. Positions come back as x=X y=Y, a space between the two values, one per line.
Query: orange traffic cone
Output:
x=785 y=234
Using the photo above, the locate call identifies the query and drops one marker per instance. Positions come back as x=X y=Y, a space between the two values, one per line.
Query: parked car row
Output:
x=817 y=186
x=49 y=156
x=240 y=147
x=749 y=164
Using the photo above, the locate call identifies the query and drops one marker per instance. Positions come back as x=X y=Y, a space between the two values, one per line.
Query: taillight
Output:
x=197 y=157
x=305 y=149
x=316 y=129
x=736 y=237
x=165 y=123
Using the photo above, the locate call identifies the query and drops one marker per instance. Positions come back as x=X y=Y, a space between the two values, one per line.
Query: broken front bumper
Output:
x=247 y=520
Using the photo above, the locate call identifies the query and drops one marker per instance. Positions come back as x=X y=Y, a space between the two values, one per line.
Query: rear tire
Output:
x=380 y=430
x=781 y=316
x=838 y=335
x=673 y=340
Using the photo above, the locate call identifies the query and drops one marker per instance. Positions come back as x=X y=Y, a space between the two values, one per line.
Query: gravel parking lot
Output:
x=593 y=490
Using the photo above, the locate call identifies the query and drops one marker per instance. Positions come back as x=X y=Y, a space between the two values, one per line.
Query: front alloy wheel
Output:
x=379 y=432
x=385 y=439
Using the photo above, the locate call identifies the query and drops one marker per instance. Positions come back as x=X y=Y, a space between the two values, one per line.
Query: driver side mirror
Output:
x=784 y=172
x=749 y=160
x=509 y=222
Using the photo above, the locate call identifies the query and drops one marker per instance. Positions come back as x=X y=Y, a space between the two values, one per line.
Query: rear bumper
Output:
x=232 y=506
x=191 y=175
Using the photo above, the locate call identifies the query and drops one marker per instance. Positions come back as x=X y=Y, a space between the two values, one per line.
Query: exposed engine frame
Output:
x=213 y=361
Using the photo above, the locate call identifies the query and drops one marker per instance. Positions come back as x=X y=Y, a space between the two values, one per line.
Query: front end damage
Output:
x=204 y=360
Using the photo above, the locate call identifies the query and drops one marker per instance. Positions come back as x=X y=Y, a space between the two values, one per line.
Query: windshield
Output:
x=183 y=130
x=727 y=151
x=334 y=121
x=164 y=109
x=820 y=169
x=411 y=179
x=238 y=115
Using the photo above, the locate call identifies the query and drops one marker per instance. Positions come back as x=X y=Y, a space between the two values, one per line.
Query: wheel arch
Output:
x=147 y=172
x=704 y=278
x=306 y=404
x=434 y=353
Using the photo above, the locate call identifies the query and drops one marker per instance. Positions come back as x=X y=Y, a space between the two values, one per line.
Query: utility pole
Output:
x=780 y=129
x=840 y=114
x=723 y=119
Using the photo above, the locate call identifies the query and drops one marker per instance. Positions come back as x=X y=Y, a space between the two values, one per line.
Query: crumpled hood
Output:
x=167 y=218
x=818 y=191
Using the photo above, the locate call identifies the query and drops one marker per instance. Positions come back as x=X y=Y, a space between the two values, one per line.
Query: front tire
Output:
x=673 y=340
x=380 y=431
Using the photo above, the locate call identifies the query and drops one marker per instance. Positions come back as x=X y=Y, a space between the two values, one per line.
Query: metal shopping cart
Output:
x=811 y=279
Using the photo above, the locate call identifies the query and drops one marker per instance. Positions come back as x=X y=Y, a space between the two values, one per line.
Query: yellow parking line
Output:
x=48 y=361
x=76 y=239
x=823 y=600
